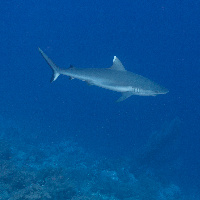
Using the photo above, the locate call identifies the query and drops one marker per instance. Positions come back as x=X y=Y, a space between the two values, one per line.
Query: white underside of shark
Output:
x=115 y=78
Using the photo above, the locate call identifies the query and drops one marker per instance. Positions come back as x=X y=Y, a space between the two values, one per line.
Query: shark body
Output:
x=115 y=78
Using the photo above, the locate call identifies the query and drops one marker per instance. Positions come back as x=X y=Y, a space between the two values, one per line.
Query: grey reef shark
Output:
x=115 y=78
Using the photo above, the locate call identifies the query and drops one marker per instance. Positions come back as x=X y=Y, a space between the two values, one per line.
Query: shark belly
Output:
x=116 y=88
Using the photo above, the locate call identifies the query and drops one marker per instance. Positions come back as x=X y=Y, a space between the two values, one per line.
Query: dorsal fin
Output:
x=117 y=65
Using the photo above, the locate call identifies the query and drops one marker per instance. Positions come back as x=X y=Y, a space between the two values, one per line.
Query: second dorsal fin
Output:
x=71 y=67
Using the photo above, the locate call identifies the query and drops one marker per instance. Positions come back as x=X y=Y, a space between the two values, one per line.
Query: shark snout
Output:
x=162 y=91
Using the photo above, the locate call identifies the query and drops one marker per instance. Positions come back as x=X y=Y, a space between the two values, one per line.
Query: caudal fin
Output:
x=54 y=68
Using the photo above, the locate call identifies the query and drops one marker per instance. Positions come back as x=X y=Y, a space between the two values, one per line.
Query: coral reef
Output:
x=65 y=171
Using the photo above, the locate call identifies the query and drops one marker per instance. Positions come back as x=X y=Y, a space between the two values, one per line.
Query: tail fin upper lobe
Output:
x=54 y=68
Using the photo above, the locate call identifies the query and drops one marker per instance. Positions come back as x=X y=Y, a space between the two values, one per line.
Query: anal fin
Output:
x=71 y=78
x=89 y=83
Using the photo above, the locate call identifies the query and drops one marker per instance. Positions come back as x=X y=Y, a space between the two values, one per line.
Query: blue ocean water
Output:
x=157 y=39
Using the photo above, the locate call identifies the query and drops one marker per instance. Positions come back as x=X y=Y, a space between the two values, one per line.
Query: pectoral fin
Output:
x=124 y=96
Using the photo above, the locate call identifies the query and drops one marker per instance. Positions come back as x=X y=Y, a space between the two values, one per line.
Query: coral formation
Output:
x=65 y=171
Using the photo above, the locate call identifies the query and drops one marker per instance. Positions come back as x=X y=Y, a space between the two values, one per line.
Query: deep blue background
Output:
x=157 y=39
